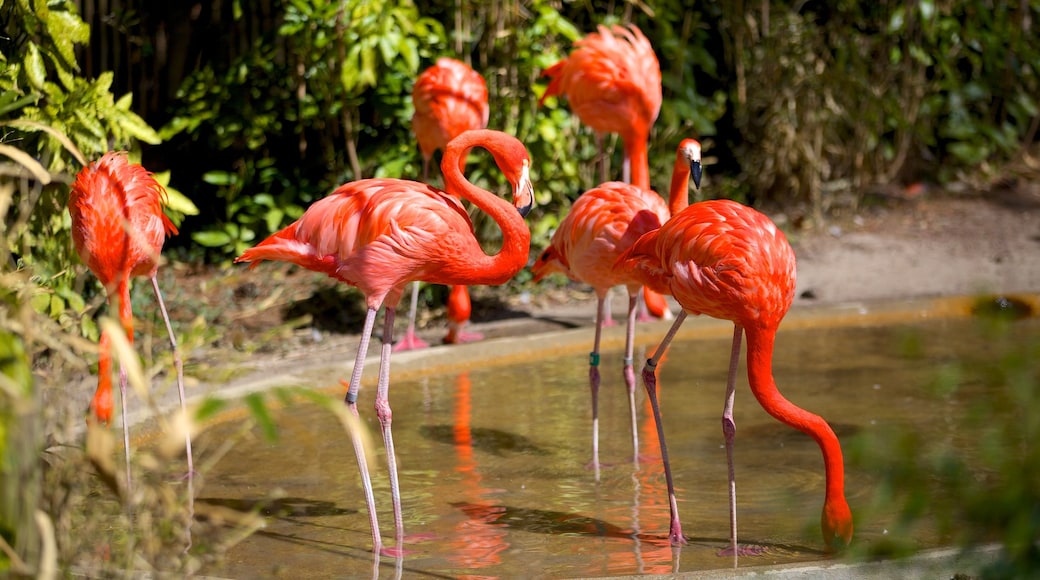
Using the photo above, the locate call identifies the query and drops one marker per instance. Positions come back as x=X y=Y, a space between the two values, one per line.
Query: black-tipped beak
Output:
x=523 y=195
x=526 y=208
x=695 y=170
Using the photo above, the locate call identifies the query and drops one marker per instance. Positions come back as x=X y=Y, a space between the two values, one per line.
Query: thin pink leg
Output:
x=385 y=416
x=629 y=373
x=675 y=535
x=179 y=366
x=729 y=431
x=642 y=312
x=126 y=429
x=355 y=436
x=457 y=334
x=410 y=340
x=594 y=385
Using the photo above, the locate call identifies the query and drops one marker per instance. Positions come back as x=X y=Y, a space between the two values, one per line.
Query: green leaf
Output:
x=35 y=70
x=175 y=200
x=209 y=407
x=11 y=101
x=133 y=124
x=212 y=239
x=255 y=403
x=221 y=178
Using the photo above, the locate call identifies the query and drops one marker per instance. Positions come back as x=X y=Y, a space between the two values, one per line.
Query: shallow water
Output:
x=493 y=462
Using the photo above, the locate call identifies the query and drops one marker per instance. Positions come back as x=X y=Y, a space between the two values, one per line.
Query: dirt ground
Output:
x=896 y=246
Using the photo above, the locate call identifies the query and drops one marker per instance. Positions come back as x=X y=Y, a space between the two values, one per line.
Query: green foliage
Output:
x=52 y=120
x=992 y=494
x=286 y=115
x=835 y=99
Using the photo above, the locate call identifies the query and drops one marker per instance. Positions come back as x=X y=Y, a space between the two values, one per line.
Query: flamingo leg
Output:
x=630 y=373
x=126 y=317
x=594 y=383
x=385 y=416
x=179 y=366
x=459 y=307
x=604 y=169
x=608 y=315
x=729 y=431
x=126 y=426
x=355 y=436
x=410 y=341
x=675 y=535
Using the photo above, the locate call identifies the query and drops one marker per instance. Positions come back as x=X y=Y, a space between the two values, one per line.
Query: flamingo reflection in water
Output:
x=478 y=542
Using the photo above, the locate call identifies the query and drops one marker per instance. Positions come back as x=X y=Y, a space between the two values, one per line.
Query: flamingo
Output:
x=118 y=228
x=380 y=234
x=601 y=225
x=449 y=98
x=731 y=262
x=612 y=81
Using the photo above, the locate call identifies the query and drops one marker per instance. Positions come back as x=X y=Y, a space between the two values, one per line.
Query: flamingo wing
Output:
x=118 y=224
x=603 y=222
x=375 y=234
x=612 y=80
x=722 y=259
x=449 y=98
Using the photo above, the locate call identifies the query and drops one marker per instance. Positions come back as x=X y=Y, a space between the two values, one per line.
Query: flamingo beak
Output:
x=695 y=171
x=523 y=194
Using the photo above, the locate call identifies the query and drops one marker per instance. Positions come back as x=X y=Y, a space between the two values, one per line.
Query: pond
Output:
x=494 y=461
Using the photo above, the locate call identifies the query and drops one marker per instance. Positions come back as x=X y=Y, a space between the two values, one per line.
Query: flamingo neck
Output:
x=479 y=268
x=760 y=343
x=637 y=157
x=678 y=191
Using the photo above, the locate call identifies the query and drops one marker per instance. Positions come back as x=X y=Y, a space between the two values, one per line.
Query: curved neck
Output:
x=679 y=190
x=760 y=376
x=638 y=161
x=481 y=269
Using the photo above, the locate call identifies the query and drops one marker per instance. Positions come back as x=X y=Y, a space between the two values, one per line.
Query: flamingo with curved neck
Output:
x=380 y=234
x=449 y=98
x=731 y=262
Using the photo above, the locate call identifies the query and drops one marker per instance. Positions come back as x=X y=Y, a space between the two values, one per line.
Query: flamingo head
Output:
x=836 y=523
x=523 y=191
x=690 y=153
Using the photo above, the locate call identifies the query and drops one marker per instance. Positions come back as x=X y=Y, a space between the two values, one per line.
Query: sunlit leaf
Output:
x=212 y=238
x=259 y=411
x=32 y=64
x=208 y=408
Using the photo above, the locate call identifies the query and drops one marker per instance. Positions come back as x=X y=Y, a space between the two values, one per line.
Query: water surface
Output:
x=493 y=462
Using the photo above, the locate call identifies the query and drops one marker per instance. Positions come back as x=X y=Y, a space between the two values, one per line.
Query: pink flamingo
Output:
x=612 y=81
x=118 y=228
x=449 y=98
x=731 y=262
x=380 y=234
x=601 y=225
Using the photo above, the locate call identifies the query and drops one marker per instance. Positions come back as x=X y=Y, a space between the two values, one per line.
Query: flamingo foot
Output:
x=745 y=550
x=410 y=341
x=675 y=536
x=645 y=317
x=394 y=552
x=460 y=337
x=399 y=551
